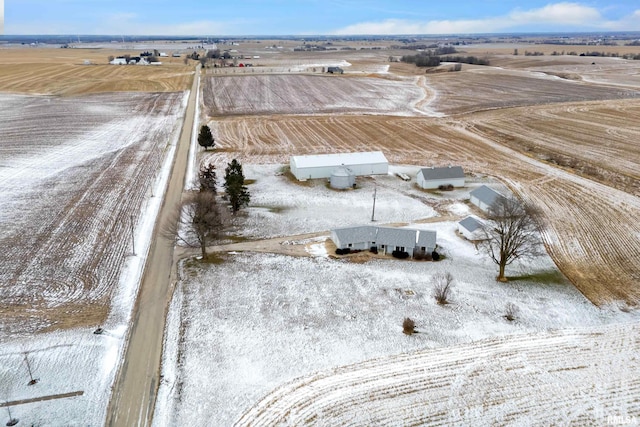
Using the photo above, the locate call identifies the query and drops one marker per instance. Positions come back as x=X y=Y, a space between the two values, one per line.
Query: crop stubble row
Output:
x=73 y=184
x=546 y=378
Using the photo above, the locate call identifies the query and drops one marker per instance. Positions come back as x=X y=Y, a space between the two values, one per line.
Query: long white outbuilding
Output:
x=322 y=165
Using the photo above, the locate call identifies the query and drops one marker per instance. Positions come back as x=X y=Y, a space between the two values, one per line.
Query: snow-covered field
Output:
x=137 y=135
x=240 y=329
x=311 y=94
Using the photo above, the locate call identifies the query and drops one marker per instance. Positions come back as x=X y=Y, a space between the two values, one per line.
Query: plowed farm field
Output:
x=488 y=88
x=548 y=379
x=62 y=72
x=311 y=94
x=591 y=205
x=74 y=173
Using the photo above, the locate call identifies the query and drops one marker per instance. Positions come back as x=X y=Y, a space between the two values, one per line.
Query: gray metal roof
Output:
x=486 y=195
x=447 y=172
x=396 y=237
x=358 y=234
x=427 y=238
x=337 y=159
x=471 y=224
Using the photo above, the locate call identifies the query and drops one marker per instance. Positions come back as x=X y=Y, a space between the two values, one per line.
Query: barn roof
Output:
x=447 y=172
x=471 y=224
x=486 y=195
x=337 y=159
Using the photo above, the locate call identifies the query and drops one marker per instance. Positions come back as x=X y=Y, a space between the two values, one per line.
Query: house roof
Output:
x=471 y=224
x=427 y=238
x=486 y=195
x=396 y=237
x=337 y=159
x=389 y=236
x=359 y=234
x=447 y=172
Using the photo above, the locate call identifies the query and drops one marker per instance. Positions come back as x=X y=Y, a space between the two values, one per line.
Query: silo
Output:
x=342 y=178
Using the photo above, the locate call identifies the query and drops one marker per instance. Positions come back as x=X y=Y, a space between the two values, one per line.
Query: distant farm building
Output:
x=119 y=61
x=484 y=197
x=323 y=165
x=471 y=228
x=444 y=177
x=385 y=239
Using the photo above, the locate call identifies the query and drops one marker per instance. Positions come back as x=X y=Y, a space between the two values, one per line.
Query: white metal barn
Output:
x=432 y=178
x=483 y=197
x=322 y=165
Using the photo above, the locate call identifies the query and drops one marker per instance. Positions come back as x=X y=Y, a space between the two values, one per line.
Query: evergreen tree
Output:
x=205 y=138
x=234 y=186
x=207 y=177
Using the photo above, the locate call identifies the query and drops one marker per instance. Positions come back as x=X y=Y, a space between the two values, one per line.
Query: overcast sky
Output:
x=305 y=17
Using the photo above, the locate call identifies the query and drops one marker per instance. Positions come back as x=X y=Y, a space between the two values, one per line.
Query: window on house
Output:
x=350 y=244
x=424 y=249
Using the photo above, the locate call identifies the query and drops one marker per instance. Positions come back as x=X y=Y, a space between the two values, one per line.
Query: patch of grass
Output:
x=545 y=277
x=237 y=239
x=249 y=181
x=215 y=259
x=272 y=208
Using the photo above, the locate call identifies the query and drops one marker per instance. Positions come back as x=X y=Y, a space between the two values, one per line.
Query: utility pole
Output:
x=133 y=237
x=26 y=360
x=373 y=212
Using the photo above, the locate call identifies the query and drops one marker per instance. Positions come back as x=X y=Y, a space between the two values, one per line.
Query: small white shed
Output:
x=432 y=178
x=323 y=165
x=471 y=228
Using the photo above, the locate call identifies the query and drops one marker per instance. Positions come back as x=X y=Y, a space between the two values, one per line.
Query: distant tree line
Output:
x=433 y=58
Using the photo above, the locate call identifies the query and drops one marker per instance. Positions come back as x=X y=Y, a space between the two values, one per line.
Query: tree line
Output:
x=201 y=218
x=433 y=58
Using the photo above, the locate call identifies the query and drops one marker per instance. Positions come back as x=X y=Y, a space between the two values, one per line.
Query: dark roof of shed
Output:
x=486 y=195
x=447 y=172
x=471 y=224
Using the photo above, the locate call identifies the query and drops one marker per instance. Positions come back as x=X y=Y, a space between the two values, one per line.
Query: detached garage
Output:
x=433 y=178
x=323 y=165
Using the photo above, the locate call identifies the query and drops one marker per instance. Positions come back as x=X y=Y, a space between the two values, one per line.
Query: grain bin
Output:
x=342 y=178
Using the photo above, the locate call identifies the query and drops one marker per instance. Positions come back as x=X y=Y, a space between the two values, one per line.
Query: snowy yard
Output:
x=239 y=329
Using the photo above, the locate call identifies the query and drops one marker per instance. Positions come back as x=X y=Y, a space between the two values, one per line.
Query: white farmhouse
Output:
x=471 y=228
x=432 y=178
x=323 y=165
x=385 y=239
x=483 y=197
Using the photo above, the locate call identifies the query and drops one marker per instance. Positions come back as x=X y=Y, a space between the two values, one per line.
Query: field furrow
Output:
x=75 y=173
x=521 y=379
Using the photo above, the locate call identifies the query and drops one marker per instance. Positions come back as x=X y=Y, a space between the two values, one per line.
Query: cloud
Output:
x=559 y=16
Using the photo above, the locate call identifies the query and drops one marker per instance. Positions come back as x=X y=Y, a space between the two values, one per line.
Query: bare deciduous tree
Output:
x=199 y=221
x=511 y=233
x=443 y=284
